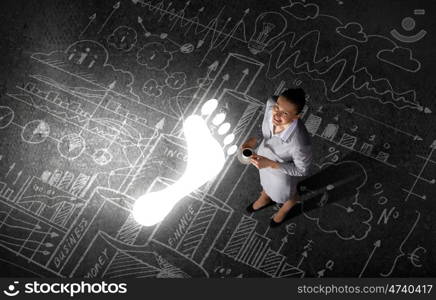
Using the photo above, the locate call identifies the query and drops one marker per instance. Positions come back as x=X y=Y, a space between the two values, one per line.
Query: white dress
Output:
x=292 y=149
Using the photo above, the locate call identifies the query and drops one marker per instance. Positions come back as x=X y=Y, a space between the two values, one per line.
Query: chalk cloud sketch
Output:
x=353 y=31
x=302 y=11
x=176 y=80
x=347 y=211
x=152 y=88
x=123 y=38
x=401 y=58
x=342 y=72
x=154 y=56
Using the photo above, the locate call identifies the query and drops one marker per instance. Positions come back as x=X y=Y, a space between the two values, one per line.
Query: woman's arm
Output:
x=300 y=166
x=257 y=134
x=253 y=141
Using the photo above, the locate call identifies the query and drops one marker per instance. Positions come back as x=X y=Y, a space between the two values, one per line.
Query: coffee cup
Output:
x=247 y=152
x=245 y=155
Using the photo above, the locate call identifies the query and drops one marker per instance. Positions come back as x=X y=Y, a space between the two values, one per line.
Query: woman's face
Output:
x=283 y=112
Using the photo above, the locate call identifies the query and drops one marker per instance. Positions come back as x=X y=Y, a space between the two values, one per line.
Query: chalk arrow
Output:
x=213 y=66
x=225 y=78
x=415 y=137
x=91 y=19
x=160 y=125
x=284 y=241
x=205 y=81
x=244 y=74
x=348 y=209
x=425 y=109
x=303 y=256
x=146 y=32
x=112 y=85
x=376 y=244
x=115 y=7
x=200 y=43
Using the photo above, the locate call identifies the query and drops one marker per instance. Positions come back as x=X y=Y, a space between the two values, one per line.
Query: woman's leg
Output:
x=263 y=200
x=286 y=207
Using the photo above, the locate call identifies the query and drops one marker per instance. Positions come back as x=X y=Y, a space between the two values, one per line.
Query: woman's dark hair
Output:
x=295 y=96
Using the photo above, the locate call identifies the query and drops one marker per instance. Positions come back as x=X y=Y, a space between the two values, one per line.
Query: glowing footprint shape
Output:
x=205 y=160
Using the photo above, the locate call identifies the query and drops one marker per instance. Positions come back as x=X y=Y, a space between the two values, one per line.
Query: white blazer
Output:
x=292 y=148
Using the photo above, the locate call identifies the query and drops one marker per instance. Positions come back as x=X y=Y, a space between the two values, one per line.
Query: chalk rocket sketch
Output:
x=96 y=117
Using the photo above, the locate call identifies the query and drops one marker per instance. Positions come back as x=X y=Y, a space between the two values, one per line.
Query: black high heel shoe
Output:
x=250 y=208
x=273 y=223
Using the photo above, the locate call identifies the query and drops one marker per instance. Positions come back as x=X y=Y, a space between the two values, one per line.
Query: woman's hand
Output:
x=261 y=162
x=250 y=143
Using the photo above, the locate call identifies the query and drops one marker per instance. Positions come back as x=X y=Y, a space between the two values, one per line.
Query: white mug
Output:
x=244 y=155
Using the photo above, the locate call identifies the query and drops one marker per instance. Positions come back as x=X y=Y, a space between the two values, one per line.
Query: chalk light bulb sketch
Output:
x=205 y=160
x=268 y=27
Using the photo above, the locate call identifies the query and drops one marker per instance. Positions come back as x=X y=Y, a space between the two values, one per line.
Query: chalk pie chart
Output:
x=35 y=132
x=6 y=116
